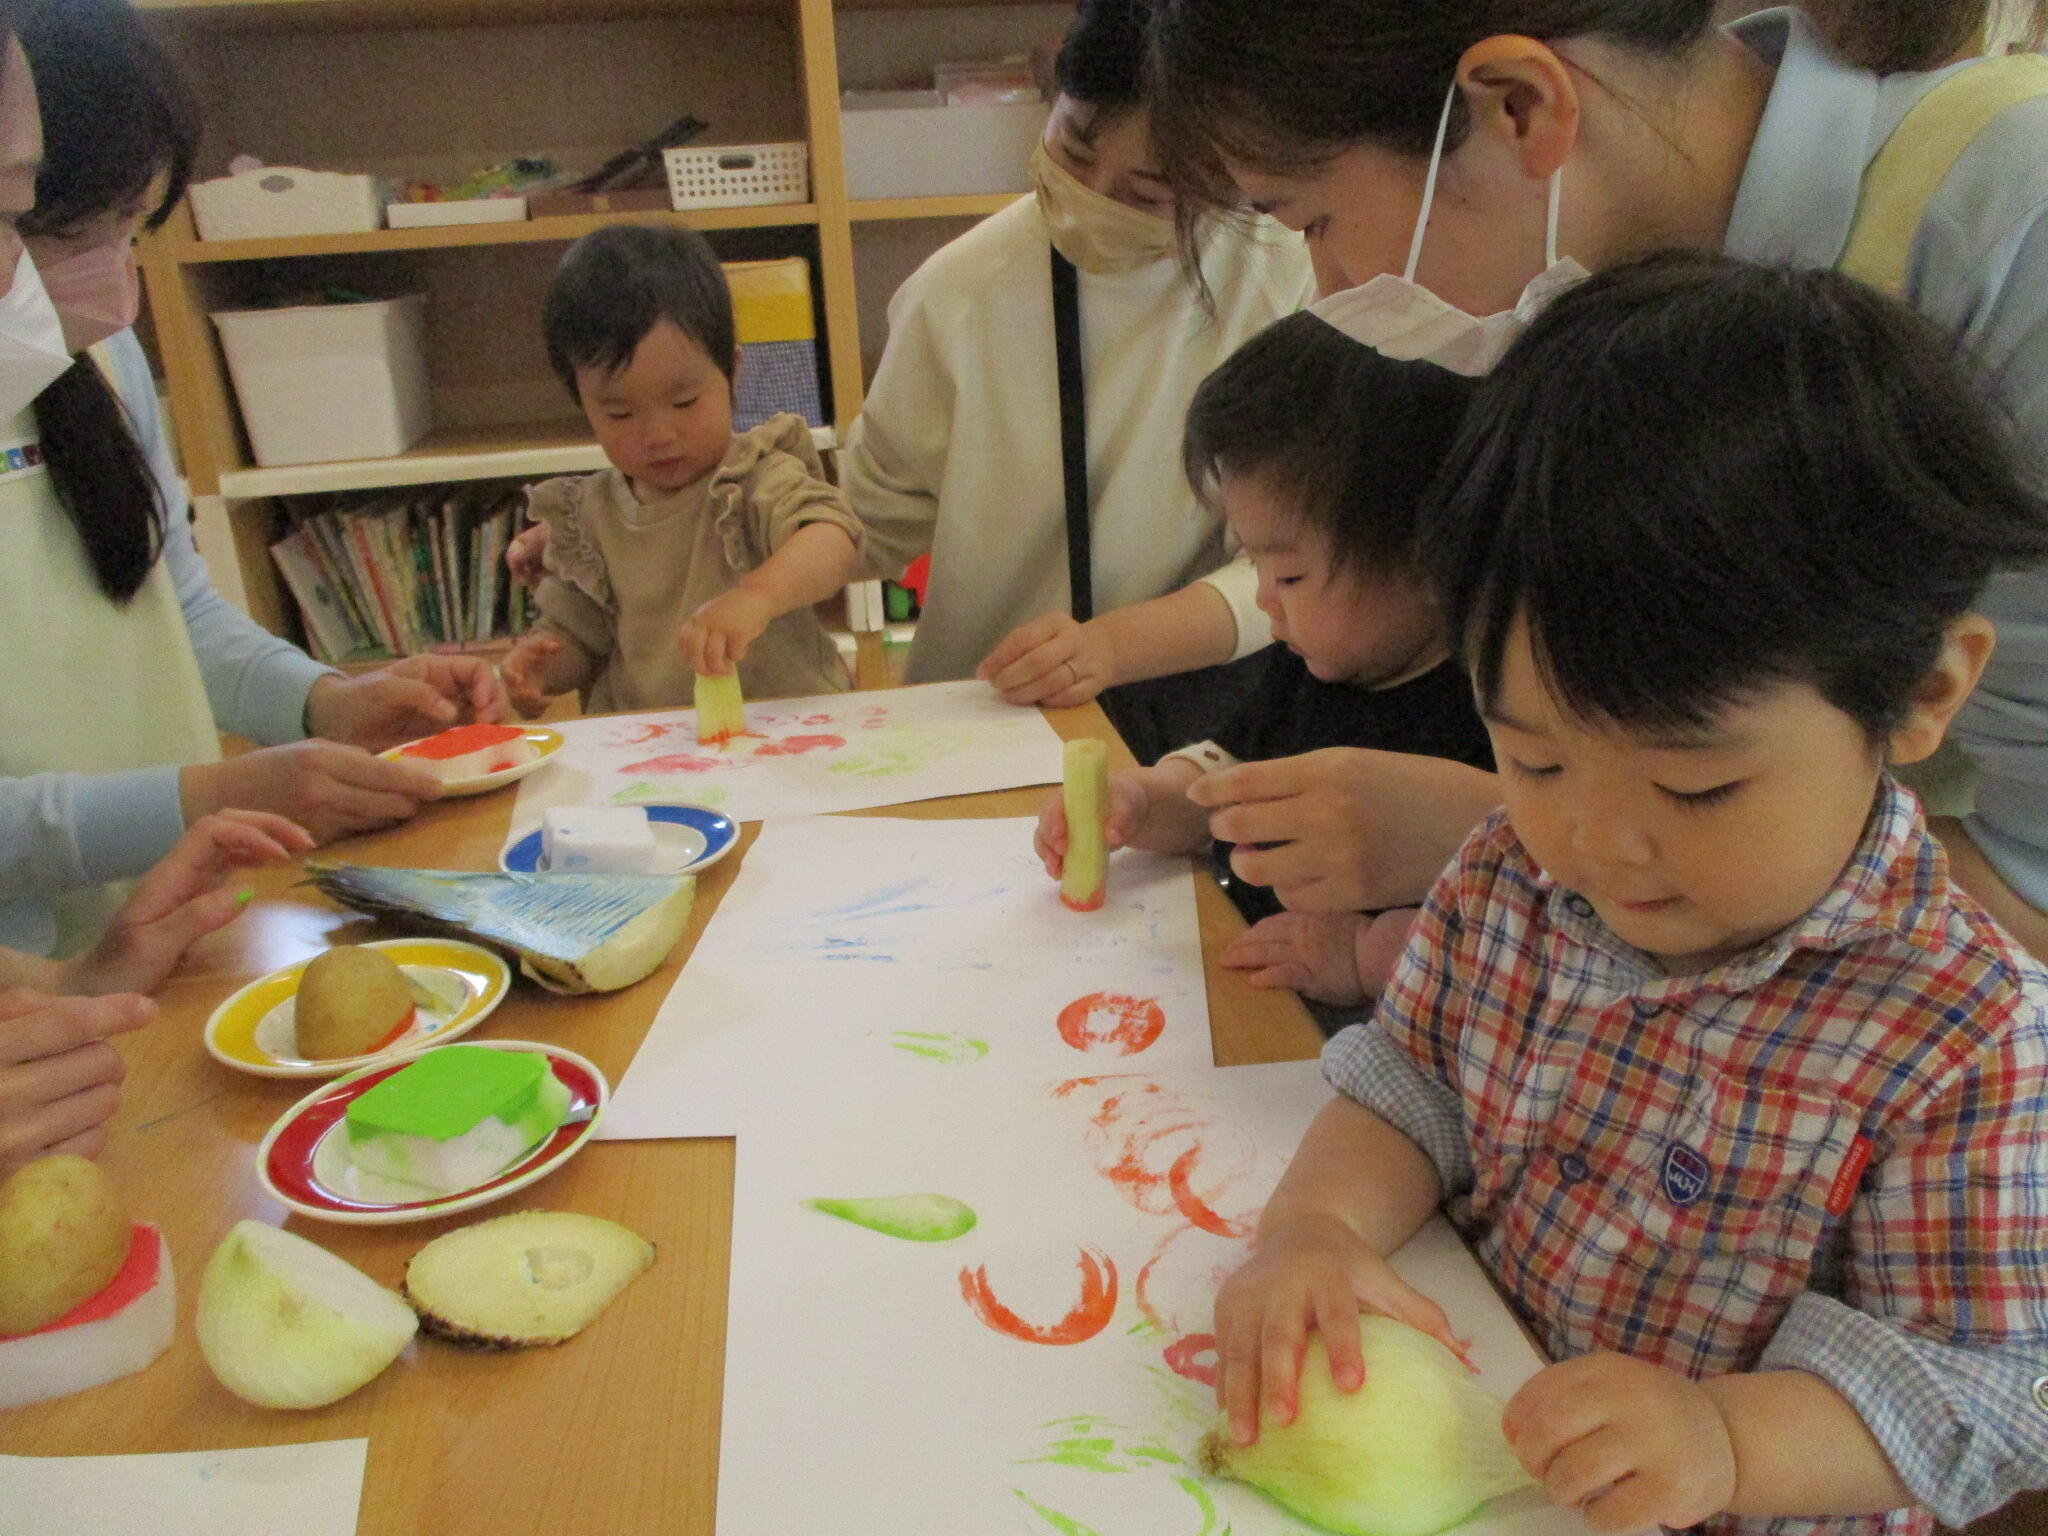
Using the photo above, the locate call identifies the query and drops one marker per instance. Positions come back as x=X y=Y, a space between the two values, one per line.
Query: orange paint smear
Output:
x=397 y=1034
x=1191 y=1205
x=1106 y=1020
x=791 y=746
x=1088 y=1317
x=1184 y=1357
x=676 y=762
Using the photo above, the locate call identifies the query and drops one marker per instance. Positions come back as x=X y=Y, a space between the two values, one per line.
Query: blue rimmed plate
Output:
x=690 y=838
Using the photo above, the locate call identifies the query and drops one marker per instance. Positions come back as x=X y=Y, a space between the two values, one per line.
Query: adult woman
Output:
x=128 y=664
x=1661 y=131
x=959 y=449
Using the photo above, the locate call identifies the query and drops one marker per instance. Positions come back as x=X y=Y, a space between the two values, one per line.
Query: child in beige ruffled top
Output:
x=699 y=550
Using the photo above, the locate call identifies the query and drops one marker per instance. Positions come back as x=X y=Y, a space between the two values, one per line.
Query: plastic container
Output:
x=738 y=175
x=278 y=200
x=319 y=382
x=930 y=151
x=473 y=210
x=778 y=336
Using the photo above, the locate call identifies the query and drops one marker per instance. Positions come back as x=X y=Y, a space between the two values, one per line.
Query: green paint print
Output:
x=1065 y=1525
x=948 y=1050
x=914 y=1218
x=1206 y=1504
x=899 y=749
x=648 y=792
x=1100 y=1445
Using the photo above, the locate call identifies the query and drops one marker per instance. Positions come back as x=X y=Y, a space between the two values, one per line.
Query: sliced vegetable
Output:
x=1416 y=1450
x=914 y=1218
x=721 y=711
x=1088 y=1317
x=63 y=1236
x=286 y=1324
x=1084 y=877
x=535 y=1277
x=111 y=1334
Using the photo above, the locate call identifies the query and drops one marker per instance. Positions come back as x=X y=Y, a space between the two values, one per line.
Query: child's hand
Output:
x=1126 y=815
x=524 y=673
x=525 y=556
x=1313 y=953
x=1311 y=1271
x=1627 y=1443
x=180 y=901
x=718 y=634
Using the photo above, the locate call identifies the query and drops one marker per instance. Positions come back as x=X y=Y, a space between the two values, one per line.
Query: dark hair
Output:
x=1102 y=60
x=1894 y=35
x=117 y=115
x=1352 y=440
x=1694 y=478
x=617 y=283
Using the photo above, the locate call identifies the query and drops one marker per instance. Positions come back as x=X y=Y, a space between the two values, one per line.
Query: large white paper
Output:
x=859 y=955
x=271 y=1490
x=865 y=1392
x=802 y=757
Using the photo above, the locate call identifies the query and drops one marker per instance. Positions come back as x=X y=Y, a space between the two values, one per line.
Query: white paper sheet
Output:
x=865 y=1393
x=804 y=757
x=859 y=955
x=272 y=1490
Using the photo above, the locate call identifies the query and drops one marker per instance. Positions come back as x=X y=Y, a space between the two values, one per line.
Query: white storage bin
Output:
x=275 y=200
x=940 y=151
x=473 y=210
x=330 y=381
x=738 y=175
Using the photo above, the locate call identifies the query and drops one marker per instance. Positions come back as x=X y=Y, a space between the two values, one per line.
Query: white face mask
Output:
x=32 y=350
x=1097 y=234
x=1399 y=318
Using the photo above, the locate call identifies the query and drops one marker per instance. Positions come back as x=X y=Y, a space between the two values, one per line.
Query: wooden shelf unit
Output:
x=405 y=88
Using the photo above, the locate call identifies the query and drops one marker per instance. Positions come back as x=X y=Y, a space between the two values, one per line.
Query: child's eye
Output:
x=1523 y=770
x=1285 y=581
x=684 y=405
x=618 y=415
x=1701 y=799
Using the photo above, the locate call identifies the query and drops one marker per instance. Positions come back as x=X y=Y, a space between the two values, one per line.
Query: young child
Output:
x=1740 y=1100
x=1319 y=451
x=698 y=550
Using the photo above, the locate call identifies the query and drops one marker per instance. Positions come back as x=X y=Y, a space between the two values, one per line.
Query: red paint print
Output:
x=1191 y=1205
x=791 y=746
x=1185 y=1357
x=1106 y=1020
x=817 y=719
x=676 y=762
x=646 y=731
x=1088 y=1316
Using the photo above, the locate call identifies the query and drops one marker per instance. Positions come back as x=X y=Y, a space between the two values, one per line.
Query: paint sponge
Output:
x=1086 y=788
x=598 y=840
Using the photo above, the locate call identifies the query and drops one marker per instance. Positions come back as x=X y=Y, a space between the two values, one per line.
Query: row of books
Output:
x=404 y=572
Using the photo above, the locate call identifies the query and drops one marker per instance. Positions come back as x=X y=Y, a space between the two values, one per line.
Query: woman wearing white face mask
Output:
x=1667 y=132
x=125 y=665
x=959 y=450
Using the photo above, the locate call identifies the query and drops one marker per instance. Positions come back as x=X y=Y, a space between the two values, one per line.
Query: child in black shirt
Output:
x=1319 y=451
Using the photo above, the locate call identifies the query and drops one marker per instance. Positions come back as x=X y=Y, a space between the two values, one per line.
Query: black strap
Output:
x=1066 y=335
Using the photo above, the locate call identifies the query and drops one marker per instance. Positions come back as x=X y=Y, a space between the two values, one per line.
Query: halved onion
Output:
x=286 y=1324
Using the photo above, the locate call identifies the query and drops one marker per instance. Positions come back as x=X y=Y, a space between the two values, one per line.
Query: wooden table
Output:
x=613 y=1432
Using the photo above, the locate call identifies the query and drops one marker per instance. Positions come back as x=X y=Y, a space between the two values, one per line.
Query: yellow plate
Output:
x=252 y=1030
x=546 y=742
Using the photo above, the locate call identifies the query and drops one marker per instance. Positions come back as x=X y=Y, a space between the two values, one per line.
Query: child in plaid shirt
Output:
x=1741 y=1101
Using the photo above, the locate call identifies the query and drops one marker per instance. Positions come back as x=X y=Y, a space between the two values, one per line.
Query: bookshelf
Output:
x=426 y=88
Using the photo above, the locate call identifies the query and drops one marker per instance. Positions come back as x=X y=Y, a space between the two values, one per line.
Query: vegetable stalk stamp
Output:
x=1083 y=882
x=721 y=711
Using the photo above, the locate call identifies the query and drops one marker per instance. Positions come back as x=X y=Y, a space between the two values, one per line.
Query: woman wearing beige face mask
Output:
x=125 y=665
x=959 y=450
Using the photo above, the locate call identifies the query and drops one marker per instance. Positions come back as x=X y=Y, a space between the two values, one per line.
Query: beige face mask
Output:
x=1097 y=234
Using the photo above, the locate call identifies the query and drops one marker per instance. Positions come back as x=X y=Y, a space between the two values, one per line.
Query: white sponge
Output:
x=598 y=840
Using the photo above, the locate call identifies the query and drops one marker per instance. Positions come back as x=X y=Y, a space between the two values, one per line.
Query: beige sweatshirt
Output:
x=623 y=577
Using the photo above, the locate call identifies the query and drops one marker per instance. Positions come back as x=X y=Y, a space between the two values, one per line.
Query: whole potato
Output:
x=63 y=1236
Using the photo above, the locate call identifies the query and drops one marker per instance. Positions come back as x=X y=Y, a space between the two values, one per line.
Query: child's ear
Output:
x=739 y=356
x=1965 y=648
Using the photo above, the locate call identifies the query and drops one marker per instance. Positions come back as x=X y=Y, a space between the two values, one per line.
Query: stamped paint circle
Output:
x=303 y=1161
x=690 y=838
x=1111 y=1022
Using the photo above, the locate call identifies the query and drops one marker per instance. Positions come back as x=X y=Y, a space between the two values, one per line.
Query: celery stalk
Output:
x=721 y=712
x=1086 y=766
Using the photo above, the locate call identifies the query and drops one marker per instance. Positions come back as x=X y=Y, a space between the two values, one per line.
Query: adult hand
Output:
x=60 y=1082
x=328 y=789
x=1305 y=1272
x=404 y=701
x=1313 y=953
x=1349 y=830
x=525 y=555
x=1627 y=1443
x=182 y=900
x=1052 y=660
x=718 y=634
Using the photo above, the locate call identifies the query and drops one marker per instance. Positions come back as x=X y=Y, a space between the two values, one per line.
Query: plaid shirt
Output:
x=1828 y=1154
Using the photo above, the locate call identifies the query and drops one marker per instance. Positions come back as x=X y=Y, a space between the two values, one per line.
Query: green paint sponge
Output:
x=455 y=1117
